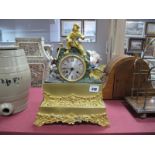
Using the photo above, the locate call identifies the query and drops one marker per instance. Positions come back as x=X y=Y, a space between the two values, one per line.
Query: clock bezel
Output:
x=78 y=57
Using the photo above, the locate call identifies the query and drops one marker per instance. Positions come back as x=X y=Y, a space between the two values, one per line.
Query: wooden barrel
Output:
x=15 y=80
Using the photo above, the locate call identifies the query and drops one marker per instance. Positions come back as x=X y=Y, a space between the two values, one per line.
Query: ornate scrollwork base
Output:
x=71 y=118
x=62 y=105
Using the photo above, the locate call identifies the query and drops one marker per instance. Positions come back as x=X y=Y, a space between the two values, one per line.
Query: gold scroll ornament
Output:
x=70 y=107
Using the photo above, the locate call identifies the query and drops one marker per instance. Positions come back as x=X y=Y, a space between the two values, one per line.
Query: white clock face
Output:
x=72 y=68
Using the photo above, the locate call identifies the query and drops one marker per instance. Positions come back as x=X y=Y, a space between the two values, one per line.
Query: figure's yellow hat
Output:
x=76 y=25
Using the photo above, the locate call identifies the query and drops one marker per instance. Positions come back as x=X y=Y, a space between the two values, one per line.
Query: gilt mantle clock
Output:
x=73 y=96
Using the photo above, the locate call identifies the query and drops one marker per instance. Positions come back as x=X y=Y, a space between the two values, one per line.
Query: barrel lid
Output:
x=9 y=47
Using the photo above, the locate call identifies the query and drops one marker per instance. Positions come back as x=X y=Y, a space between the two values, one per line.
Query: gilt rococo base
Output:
x=71 y=103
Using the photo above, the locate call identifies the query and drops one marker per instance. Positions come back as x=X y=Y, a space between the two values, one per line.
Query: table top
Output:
x=121 y=121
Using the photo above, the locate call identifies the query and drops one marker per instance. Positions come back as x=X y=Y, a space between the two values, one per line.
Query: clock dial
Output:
x=72 y=68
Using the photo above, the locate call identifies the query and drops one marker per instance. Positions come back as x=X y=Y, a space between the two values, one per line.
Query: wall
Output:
x=12 y=28
x=42 y=27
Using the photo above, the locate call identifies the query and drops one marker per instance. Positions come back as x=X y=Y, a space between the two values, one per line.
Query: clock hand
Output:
x=70 y=74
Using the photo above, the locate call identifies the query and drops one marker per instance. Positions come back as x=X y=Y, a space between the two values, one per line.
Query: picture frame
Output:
x=89 y=30
x=66 y=26
x=136 y=44
x=150 y=29
x=135 y=29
